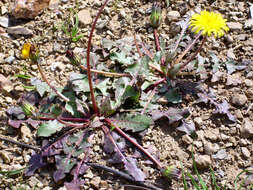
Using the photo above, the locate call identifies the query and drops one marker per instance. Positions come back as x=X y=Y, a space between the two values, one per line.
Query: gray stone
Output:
x=84 y=17
x=239 y=99
x=246 y=129
x=9 y=59
x=245 y=152
x=173 y=15
x=220 y=155
x=248 y=24
x=248 y=82
x=210 y=148
x=18 y=30
x=203 y=161
x=4 y=22
x=234 y=26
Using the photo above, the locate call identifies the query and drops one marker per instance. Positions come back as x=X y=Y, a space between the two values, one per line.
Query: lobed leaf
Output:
x=48 y=128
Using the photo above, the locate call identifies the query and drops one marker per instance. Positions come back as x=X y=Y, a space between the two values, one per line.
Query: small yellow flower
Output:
x=208 y=23
x=26 y=50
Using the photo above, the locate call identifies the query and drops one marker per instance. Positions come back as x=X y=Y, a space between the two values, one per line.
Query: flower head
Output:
x=208 y=23
x=155 y=17
x=26 y=50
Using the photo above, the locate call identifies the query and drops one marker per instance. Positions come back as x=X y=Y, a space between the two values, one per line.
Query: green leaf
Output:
x=49 y=128
x=135 y=123
x=40 y=86
x=80 y=82
x=173 y=96
x=121 y=58
x=103 y=86
x=108 y=107
x=132 y=93
x=56 y=110
x=120 y=85
x=140 y=68
x=23 y=76
x=75 y=39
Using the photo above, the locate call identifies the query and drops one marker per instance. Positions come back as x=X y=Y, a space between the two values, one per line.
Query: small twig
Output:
x=156 y=68
x=79 y=125
x=135 y=187
x=149 y=100
x=187 y=50
x=51 y=86
x=65 y=119
x=108 y=74
x=134 y=143
x=157 y=44
x=147 y=52
x=122 y=175
x=19 y=143
x=137 y=47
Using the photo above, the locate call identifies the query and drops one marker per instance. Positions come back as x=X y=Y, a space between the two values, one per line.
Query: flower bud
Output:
x=156 y=17
x=28 y=109
x=171 y=172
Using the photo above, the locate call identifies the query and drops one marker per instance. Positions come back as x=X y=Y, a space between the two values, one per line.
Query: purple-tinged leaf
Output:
x=117 y=158
x=74 y=185
x=223 y=108
x=63 y=165
x=35 y=162
x=58 y=175
x=81 y=170
x=15 y=123
x=172 y=114
x=109 y=146
x=33 y=123
x=16 y=112
x=187 y=127
x=30 y=97
x=133 y=170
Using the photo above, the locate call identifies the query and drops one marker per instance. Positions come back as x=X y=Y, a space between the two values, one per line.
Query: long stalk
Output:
x=134 y=143
x=88 y=59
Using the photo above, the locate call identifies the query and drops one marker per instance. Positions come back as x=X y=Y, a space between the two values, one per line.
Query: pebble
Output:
x=203 y=161
x=9 y=59
x=173 y=15
x=220 y=155
x=4 y=10
x=198 y=121
x=19 y=30
x=84 y=17
x=234 y=26
x=34 y=182
x=4 y=155
x=96 y=181
x=248 y=82
x=4 y=22
x=230 y=54
x=8 y=99
x=248 y=24
x=25 y=131
x=239 y=99
x=210 y=148
x=212 y=134
x=245 y=152
x=5 y=84
x=187 y=139
x=28 y=9
x=246 y=129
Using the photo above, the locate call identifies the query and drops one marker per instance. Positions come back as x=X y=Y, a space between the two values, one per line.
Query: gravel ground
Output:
x=226 y=147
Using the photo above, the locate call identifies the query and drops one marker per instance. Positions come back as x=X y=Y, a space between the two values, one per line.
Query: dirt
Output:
x=225 y=146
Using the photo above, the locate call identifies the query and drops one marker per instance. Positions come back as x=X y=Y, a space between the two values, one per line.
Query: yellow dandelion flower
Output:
x=26 y=50
x=209 y=23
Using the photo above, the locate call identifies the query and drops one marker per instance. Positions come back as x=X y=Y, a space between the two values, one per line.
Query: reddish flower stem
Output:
x=65 y=119
x=88 y=59
x=137 y=47
x=134 y=143
x=158 y=47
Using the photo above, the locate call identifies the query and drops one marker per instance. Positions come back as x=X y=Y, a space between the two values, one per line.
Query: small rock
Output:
x=25 y=131
x=234 y=26
x=34 y=182
x=9 y=59
x=246 y=129
x=4 y=10
x=5 y=84
x=4 y=155
x=222 y=154
x=104 y=184
x=84 y=17
x=18 y=30
x=28 y=9
x=230 y=54
x=212 y=134
x=239 y=99
x=187 y=139
x=198 y=144
x=57 y=66
x=122 y=13
x=173 y=15
x=210 y=148
x=248 y=83
x=198 y=121
x=203 y=161
x=8 y=99
x=238 y=114
x=96 y=181
x=4 y=22
x=224 y=137
x=248 y=24
x=245 y=152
